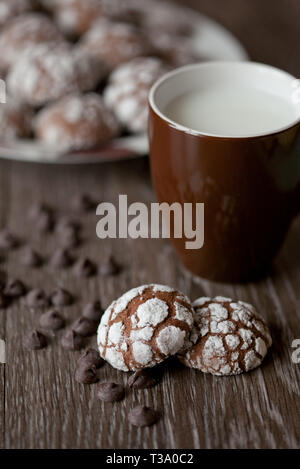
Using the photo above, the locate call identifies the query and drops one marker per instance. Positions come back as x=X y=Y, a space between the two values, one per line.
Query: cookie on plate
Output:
x=144 y=327
x=75 y=17
x=23 y=33
x=47 y=74
x=9 y=9
x=15 y=120
x=228 y=338
x=76 y=122
x=128 y=88
x=115 y=43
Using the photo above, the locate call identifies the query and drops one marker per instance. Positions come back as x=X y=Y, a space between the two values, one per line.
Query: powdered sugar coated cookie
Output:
x=76 y=122
x=228 y=337
x=128 y=89
x=23 y=33
x=115 y=43
x=144 y=327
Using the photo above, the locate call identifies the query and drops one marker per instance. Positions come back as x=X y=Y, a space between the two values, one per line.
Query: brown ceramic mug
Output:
x=250 y=185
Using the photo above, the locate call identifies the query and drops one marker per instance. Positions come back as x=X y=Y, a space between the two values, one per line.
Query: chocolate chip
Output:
x=86 y=375
x=84 y=326
x=31 y=258
x=90 y=357
x=37 y=298
x=142 y=416
x=93 y=311
x=72 y=341
x=7 y=240
x=61 y=297
x=141 y=379
x=83 y=203
x=43 y=217
x=109 y=267
x=14 y=288
x=52 y=320
x=4 y=300
x=35 y=340
x=110 y=392
x=65 y=223
x=85 y=268
x=69 y=239
x=39 y=208
x=61 y=258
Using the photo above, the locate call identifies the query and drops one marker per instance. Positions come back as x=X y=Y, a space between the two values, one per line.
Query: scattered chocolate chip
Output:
x=90 y=357
x=86 y=375
x=142 y=416
x=85 y=268
x=45 y=222
x=8 y=240
x=37 y=298
x=69 y=239
x=39 y=208
x=43 y=217
x=35 y=340
x=84 y=326
x=4 y=300
x=14 y=288
x=61 y=297
x=52 y=320
x=110 y=392
x=83 y=203
x=72 y=341
x=61 y=258
x=109 y=267
x=31 y=258
x=65 y=223
x=93 y=311
x=141 y=379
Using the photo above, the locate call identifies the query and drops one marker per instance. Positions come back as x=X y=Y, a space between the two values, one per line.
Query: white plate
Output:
x=209 y=39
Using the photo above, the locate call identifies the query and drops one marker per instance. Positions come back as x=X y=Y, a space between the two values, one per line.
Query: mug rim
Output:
x=153 y=106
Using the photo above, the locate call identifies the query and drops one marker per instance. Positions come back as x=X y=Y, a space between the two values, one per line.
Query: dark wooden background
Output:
x=41 y=405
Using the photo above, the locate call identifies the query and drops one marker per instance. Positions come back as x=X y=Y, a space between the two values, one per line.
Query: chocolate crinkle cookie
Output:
x=229 y=337
x=75 y=17
x=144 y=327
x=127 y=91
x=115 y=43
x=10 y=9
x=49 y=73
x=22 y=34
x=15 y=120
x=76 y=122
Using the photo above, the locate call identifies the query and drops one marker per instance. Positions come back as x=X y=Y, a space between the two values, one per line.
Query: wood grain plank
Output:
x=46 y=408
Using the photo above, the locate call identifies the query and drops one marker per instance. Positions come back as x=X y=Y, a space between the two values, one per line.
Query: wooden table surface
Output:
x=42 y=406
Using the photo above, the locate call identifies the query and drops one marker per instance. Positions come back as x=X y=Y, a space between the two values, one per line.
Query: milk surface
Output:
x=231 y=111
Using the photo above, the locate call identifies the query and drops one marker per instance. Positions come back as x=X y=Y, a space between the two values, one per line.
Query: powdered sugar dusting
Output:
x=227 y=338
x=76 y=122
x=128 y=88
x=152 y=320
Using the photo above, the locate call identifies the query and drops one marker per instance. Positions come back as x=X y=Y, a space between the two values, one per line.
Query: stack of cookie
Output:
x=78 y=72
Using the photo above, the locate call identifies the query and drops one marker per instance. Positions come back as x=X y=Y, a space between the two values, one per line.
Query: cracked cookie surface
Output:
x=229 y=337
x=144 y=327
